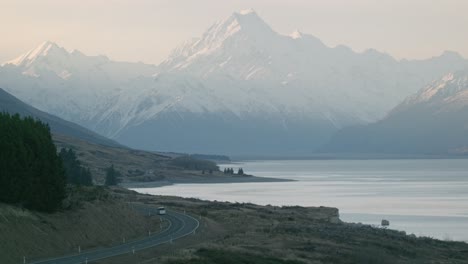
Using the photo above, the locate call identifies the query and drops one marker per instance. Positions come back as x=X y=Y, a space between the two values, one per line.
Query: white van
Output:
x=161 y=211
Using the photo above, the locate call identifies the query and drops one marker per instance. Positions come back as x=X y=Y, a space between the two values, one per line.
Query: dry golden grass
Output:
x=248 y=233
x=93 y=221
x=228 y=233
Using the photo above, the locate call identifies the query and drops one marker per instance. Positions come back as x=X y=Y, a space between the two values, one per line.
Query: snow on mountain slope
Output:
x=240 y=72
x=450 y=91
x=12 y=105
x=69 y=84
x=300 y=72
x=432 y=121
x=49 y=57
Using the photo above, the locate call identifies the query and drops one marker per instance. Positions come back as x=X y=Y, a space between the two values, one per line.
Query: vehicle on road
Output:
x=180 y=225
x=161 y=211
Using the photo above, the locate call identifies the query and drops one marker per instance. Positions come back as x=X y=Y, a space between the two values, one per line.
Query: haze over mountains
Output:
x=240 y=88
x=12 y=105
x=432 y=121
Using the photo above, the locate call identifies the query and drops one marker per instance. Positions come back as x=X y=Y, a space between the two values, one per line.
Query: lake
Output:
x=423 y=197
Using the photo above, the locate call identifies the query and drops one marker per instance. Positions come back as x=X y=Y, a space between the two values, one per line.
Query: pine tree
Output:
x=31 y=173
x=112 y=176
x=240 y=171
x=86 y=177
x=76 y=173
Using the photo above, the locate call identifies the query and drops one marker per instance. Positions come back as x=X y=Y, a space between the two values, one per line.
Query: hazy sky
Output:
x=146 y=30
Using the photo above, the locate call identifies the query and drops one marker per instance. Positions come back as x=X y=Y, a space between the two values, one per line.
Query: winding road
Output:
x=180 y=225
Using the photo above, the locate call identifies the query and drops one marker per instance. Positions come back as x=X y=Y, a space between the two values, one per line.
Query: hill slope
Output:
x=12 y=105
x=145 y=169
x=94 y=217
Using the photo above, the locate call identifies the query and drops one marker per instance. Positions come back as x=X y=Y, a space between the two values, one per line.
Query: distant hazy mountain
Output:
x=240 y=88
x=12 y=105
x=71 y=85
x=433 y=121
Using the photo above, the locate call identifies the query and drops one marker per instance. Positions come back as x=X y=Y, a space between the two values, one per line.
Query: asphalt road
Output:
x=180 y=225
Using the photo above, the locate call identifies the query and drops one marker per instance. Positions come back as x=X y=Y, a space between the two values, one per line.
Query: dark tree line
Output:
x=190 y=163
x=75 y=172
x=240 y=171
x=31 y=173
x=112 y=176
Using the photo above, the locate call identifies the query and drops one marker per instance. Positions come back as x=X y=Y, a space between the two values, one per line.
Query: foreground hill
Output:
x=12 y=105
x=239 y=88
x=432 y=121
x=90 y=217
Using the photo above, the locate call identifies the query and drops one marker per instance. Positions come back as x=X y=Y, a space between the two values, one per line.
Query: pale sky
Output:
x=147 y=30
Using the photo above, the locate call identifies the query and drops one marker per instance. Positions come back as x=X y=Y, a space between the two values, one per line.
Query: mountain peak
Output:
x=248 y=20
x=247 y=12
x=451 y=54
x=44 y=49
x=238 y=27
x=296 y=34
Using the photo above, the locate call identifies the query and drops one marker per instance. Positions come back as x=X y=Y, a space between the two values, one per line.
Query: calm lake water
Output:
x=424 y=197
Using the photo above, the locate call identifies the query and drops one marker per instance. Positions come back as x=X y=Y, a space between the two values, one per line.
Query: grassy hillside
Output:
x=137 y=166
x=92 y=217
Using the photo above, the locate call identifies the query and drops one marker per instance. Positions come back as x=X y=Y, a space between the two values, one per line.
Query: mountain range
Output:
x=433 y=121
x=240 y=88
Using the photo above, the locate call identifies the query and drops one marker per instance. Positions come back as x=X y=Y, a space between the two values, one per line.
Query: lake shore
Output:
x=203 y=180
x=424 y=197
x=279 y=234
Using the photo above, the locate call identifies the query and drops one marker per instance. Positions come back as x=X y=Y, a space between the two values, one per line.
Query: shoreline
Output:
x=205 y=180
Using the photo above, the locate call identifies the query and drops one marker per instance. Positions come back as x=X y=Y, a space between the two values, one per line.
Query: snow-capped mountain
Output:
x=299 y=73
x=239 y=88
x=432 y=121
x=448 y=94
x=49 y=57
x=69 y=84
